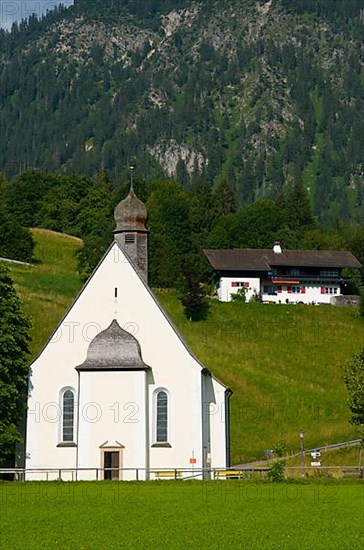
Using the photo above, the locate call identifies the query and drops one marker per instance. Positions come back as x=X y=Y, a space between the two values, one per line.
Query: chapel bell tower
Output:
x=131 y=233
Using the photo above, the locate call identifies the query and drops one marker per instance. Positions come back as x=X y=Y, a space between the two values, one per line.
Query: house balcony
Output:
x=301 y=279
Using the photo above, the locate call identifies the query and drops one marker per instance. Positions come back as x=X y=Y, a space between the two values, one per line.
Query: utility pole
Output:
x=302 y=435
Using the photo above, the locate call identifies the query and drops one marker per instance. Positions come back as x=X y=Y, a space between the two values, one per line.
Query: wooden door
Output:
x=111 y=460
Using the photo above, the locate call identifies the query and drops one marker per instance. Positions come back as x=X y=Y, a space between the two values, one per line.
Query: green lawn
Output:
x=283 y=362
x=212 y=515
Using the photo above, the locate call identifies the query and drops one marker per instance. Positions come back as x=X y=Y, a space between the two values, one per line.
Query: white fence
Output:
x=144 y=474
x=127 y=474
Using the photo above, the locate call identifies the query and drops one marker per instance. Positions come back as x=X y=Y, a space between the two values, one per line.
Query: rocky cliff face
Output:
x=255 y=92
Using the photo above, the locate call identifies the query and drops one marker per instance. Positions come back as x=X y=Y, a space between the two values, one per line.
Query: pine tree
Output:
x=169 y=213
x=202 y=213
x=225 y=199
x=193 y=298
x=299 y=209
x=14 y=340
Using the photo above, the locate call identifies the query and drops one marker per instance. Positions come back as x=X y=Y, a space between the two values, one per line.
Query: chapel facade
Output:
x=116 y=390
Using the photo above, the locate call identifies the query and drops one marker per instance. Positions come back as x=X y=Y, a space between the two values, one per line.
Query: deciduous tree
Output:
x=14 y=351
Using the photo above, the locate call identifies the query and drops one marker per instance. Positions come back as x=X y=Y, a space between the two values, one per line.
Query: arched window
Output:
x=68 y=407
x=162 y=417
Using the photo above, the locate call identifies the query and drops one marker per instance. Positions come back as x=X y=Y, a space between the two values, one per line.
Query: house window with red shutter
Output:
x=289 y=289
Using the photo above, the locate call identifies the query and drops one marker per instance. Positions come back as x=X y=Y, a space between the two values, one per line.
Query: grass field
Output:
x=216 y=515
x=283 y=362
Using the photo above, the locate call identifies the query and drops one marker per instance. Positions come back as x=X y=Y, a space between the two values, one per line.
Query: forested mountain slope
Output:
x=263 y=94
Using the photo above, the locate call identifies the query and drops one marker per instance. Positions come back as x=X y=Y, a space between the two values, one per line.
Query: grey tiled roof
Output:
x=256 y=259
x=114 y=349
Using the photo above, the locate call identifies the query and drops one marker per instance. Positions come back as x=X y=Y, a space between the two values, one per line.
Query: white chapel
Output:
x=116 y=389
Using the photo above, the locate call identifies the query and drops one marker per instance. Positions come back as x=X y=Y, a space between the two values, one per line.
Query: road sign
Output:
x=315 y=454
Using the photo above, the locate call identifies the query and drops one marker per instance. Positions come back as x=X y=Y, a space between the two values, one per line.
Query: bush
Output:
x=361 y=303
x=276 y=473
x=280 y=448
x=255 y=299
x=240 y=296
x=354 y=381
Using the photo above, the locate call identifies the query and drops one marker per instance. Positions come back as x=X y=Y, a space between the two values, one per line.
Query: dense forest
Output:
x=15 y=240
x=264 y=95
x=182 y=222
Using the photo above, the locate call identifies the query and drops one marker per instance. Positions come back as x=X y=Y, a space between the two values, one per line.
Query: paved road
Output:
x=14 y=261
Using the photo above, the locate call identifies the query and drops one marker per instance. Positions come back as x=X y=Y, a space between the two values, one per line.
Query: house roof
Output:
x=261 y=259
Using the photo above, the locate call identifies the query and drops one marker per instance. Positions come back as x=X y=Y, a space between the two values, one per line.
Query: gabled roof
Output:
x=204 y=370
x=262 y=259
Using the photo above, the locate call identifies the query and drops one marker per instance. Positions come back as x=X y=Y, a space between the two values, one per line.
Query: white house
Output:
x=281 y=276
x=116 y=386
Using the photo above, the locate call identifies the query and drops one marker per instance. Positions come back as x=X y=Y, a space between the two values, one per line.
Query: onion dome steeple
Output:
x=131 y=214
x=131 y=233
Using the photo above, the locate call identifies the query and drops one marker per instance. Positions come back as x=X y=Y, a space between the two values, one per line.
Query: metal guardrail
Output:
x=336 y=445
x=259 y=463
x=331 y=447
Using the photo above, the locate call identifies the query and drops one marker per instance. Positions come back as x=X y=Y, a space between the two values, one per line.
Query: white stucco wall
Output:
x=173 y=368
x=185 y=429
x=112 y=408
x=226 y=288
x=311 y=295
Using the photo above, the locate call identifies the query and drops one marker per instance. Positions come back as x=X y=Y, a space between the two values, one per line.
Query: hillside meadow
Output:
x=48 y=287
x=284 y=365
x=282 y=362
